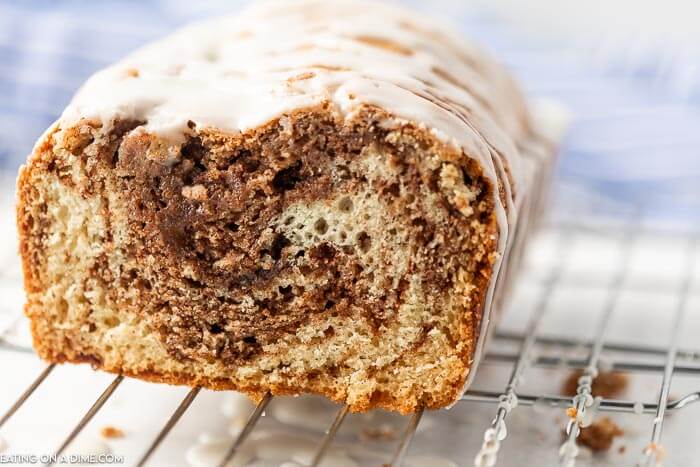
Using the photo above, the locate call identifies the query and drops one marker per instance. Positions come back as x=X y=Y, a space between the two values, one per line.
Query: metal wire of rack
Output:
x=534 y=350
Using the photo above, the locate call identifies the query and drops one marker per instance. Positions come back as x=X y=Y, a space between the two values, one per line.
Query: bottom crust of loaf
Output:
x=349 y=259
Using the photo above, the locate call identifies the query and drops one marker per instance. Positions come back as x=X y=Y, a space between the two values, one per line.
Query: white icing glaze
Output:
x=280 y=446
x=333 y=458
x=237 y=73
x=316 y=414
x=236 y=404
x=233 y=74
x=236 y=424
x=429 y=461
x=274 y=446
x=210 y=449
x=308 y=412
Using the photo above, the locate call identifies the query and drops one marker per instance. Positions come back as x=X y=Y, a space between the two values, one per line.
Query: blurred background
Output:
x=628 y=74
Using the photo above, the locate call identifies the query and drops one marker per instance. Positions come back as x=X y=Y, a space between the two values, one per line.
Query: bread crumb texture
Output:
x=599 y=436
x=607 y=384
x=313 y=254
x=111 y=432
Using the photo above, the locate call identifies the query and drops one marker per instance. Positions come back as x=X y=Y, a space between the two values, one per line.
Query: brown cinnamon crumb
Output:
x=599 y=435
x=378 y=433
x=132 y=73
x=622 y=449
x=111 y=432
x=571 y=412
x=606 y=384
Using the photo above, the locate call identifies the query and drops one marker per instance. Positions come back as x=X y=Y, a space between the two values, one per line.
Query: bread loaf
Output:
x=310 y=197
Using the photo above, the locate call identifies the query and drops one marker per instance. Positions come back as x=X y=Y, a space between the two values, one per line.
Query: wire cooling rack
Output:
x=586 y=299
x=612 y=261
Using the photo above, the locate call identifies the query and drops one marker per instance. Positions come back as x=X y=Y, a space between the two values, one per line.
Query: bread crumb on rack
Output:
x=378 y=433
x=111 y=432
x=657 y=451
x=599 y=436
x=606 y=384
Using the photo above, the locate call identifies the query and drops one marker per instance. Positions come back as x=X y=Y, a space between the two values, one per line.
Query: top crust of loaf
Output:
x=238 y=73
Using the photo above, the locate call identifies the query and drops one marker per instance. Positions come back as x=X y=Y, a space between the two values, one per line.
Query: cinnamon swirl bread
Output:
x=312 y=196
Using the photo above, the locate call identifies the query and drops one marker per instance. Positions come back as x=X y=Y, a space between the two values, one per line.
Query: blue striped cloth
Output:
x=634 y=140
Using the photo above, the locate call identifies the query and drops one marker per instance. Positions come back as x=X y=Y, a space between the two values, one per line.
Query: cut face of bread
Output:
x=306 y=198
x=311 y=255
